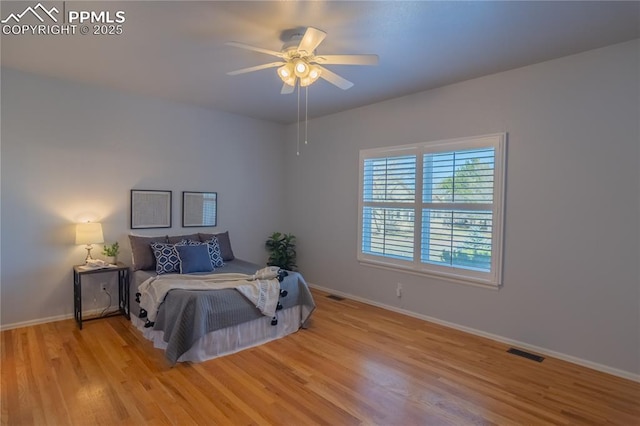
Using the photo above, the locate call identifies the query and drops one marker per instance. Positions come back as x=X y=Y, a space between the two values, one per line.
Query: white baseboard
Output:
x=29 y=323
x=569 y=358
x=85 y=314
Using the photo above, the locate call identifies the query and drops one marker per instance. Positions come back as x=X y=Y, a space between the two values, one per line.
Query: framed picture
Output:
x=150 y=209
x=199 y=209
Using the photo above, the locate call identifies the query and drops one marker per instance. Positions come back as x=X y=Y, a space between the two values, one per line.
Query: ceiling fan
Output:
x=300 y=64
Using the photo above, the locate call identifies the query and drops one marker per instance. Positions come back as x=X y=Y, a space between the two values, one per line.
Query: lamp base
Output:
x=88 y=258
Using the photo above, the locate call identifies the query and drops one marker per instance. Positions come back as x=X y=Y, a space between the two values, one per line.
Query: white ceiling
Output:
x=176 y=49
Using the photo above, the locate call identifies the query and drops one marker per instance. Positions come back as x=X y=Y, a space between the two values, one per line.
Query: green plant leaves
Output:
x=111 y=250
x=282 y=250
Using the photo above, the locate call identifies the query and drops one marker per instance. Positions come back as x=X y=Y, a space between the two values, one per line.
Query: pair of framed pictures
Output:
x=152 y=209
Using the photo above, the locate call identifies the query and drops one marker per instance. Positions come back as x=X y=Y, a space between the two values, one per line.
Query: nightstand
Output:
x=123 y=290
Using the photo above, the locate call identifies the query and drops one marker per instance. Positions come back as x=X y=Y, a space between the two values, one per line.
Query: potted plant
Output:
x=282 y=251
x=111 y=251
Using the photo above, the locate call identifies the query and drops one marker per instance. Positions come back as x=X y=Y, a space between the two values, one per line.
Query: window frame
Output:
x=491 y=279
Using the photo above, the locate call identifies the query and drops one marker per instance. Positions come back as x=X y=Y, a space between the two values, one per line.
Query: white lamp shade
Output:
x=89 y=233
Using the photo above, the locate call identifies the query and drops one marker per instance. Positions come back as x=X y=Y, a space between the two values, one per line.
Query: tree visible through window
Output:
x=435 y=208
x=458 y=237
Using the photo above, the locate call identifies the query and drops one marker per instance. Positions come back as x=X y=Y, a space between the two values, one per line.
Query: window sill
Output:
x=444 y=277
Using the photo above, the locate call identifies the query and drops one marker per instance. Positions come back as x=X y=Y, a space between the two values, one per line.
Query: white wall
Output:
x=72 y=152
x=571 y=277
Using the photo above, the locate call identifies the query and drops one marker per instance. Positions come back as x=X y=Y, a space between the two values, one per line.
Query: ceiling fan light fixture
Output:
x=301 y=68
x=300 y=65
x=314 y=74
x=306 y=81
x=285 y=71
x=298 y=60
x=291 y=81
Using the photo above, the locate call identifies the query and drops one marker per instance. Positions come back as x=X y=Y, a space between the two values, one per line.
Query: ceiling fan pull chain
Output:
x=298 y=134
x=306 y=109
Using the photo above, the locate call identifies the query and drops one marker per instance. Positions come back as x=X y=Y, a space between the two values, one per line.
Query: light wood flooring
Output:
x=356 y=364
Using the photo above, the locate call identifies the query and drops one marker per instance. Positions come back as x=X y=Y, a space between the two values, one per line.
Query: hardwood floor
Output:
x=356 y=364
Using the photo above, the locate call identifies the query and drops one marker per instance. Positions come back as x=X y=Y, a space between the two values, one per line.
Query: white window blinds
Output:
x=435 y=208
x=389 y=185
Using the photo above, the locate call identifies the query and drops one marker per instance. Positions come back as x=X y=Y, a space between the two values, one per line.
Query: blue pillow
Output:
x=194 y=259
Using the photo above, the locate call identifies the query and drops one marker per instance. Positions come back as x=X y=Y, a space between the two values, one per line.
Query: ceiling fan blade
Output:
x=254 y=48
x=256 y=68
x=335 y=79
x=311 y=39
x=286 y=89
x=347 y=59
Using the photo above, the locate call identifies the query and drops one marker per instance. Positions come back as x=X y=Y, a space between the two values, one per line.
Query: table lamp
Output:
x=89 y=233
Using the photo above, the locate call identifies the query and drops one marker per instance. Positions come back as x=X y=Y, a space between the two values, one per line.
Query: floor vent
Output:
x=527 y=355
x=334 y=297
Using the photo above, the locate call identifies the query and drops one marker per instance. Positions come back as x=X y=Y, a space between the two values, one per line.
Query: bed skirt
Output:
x=231 y=339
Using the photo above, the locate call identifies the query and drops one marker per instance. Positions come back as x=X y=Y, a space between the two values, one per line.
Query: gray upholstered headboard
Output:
x=143 y=258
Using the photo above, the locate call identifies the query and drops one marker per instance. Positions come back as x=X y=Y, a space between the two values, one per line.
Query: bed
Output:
x=198 y=325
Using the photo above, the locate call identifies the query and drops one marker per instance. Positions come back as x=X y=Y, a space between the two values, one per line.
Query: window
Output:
x=435 y=208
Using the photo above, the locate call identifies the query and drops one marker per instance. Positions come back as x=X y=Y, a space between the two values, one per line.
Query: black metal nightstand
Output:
x=123 y=290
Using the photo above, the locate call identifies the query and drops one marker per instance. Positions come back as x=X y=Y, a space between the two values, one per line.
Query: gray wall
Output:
x=571 y=277
x=72 y=152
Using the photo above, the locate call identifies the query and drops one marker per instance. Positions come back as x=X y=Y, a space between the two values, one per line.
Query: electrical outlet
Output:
x=399 y=290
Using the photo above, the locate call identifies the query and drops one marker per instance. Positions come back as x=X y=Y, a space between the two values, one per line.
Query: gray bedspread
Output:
x=187 y=315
